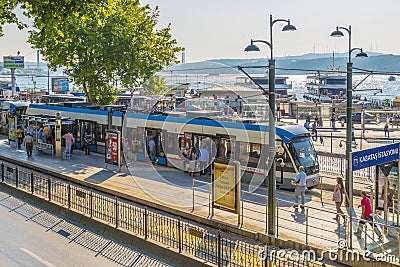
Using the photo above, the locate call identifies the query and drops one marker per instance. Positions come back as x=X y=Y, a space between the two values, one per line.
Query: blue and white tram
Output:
x=243 y=142
x=224 y=140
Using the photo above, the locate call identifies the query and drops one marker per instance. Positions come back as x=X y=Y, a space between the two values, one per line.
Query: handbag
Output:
x=337 y=196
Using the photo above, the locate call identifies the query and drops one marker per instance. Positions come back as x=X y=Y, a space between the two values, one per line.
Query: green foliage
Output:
x=7 y=15
x=97 y=41
x=155 y=86
x=44 y=11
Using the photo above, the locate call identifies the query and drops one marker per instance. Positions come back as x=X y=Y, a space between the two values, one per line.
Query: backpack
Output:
x=337 y=196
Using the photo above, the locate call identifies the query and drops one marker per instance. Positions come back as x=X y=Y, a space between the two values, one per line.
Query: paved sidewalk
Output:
x=171 y=188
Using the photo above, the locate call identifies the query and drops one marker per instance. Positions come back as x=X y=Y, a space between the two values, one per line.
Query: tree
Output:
x=104 y=40
x=46 y=11
x=155 y=86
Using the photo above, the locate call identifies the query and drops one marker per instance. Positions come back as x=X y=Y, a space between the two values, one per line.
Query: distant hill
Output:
x=304 y=64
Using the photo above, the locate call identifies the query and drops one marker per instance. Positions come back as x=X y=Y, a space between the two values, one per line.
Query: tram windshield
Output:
x=304 y=154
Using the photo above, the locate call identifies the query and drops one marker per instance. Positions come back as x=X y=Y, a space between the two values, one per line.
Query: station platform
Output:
x=175 y=192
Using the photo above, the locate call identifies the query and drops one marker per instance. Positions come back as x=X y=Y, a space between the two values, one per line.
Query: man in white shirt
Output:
x=204 y=157
x=301 y=184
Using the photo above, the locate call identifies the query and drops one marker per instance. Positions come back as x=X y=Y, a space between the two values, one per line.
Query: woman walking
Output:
x=338 y=197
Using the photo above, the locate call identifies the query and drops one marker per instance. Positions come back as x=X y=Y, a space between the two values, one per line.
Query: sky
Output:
x=215 y=29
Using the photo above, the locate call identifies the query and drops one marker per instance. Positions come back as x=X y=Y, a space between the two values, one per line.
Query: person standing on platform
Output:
x=314 y=130
x=41 y=135
x=320 y=122
x=386 y=130
x=152 y=150
x=301 y=183
x=307 y=125
x=341 y=190
x=28 y=142
x=88 y=142
x=20 y=136
x=204 y=158
x=69 y=140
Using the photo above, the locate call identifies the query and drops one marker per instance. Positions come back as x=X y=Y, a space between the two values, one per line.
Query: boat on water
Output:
x=282 y=87
x=328 y=87
x=325 y=88
x=6 y=88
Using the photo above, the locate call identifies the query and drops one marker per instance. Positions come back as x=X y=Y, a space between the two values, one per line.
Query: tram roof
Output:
x=285 y=131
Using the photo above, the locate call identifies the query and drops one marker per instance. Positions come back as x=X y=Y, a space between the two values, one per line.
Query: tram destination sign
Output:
x=374 y=156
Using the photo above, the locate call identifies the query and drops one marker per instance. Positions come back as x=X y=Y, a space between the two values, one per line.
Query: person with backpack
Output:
x=337 y=197
x=88 y=143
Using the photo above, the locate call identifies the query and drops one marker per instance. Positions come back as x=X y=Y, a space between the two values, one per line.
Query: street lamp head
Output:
x=337 y=33
x=251 y=47
x=362 y=54
x=288 y=27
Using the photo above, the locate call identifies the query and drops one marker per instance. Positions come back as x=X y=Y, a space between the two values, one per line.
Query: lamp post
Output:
x=349 y=123
x=271 y=131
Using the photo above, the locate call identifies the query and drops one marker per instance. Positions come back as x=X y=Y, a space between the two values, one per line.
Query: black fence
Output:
x=184 y=237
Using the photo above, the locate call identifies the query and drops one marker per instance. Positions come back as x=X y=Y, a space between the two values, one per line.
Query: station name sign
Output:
x=375 y=156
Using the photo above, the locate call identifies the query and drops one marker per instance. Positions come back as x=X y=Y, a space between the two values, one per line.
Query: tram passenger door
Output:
x=157 y=136
x=83 y=127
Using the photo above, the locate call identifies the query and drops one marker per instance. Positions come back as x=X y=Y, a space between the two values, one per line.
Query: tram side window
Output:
x=249 y=153
x=139 y=140
x=172 y=143
x=254 y=153
x=131 y=134
x=100 y=132
x=243 y=152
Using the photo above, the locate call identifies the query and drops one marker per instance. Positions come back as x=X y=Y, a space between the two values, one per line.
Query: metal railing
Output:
x=336 y=166
x=311 y=226
x=333 y=143
x=185 y=237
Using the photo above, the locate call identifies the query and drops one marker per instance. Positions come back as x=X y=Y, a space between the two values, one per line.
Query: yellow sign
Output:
x=226 y=186
x=11 y=129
